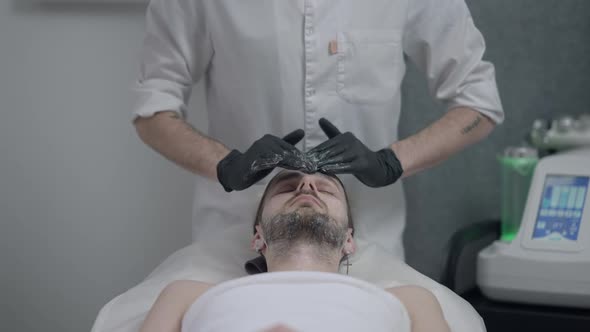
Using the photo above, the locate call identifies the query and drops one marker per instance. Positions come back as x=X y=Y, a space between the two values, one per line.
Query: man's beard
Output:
x=301 y=227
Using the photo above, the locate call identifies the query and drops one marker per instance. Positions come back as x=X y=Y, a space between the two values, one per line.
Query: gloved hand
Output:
x=238 y=171
x=344 y=153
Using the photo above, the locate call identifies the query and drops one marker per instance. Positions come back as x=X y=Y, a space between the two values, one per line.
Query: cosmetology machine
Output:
x=543 y=255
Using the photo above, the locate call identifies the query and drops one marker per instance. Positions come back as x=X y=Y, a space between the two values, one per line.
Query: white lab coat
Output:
x=272 y=66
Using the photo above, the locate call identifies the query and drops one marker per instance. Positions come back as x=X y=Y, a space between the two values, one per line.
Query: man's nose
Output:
x=306 y=183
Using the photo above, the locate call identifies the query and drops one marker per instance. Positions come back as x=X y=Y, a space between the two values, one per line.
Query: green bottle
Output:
x=517 y=168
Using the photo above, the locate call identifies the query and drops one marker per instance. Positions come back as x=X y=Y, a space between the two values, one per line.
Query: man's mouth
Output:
x=304 y=198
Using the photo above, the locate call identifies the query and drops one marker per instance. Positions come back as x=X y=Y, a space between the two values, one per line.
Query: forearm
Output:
x=174 y=138
x=456 y=130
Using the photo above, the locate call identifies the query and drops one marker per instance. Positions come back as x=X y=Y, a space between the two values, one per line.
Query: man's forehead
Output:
x=285 y=175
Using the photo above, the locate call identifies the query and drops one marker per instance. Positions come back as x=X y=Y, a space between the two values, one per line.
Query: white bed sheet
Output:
x=126 y=312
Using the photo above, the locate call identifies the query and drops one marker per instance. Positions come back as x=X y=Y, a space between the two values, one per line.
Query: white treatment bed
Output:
x=126 y=312
x=223 y=249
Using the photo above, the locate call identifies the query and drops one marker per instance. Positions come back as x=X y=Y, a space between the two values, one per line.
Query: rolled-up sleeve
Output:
x=175 y=54
x=442 y=40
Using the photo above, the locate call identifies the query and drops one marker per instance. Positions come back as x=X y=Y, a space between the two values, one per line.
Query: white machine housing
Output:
x=548 y=262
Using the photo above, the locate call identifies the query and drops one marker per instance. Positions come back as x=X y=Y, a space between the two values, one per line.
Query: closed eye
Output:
x=326 y=188
x=286 y=189
x=328 y=191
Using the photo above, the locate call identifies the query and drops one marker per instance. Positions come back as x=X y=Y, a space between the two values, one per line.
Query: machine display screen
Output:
x=561 y=209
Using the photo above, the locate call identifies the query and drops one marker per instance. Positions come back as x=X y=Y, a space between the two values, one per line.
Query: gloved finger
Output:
x=280 y=147
x=259 y=176
x=329 y=144
x=286 y=143
x=328 y=154
x=269 y=147
x=294 y=160
x=342 y=168
x=291 y=165
x=347 y=139
x=265 y=163
x=342 y=158
x=322 y=147
x=329 y=129
x=294 y=137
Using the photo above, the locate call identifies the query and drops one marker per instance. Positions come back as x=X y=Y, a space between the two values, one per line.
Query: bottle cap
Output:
x=522 y=151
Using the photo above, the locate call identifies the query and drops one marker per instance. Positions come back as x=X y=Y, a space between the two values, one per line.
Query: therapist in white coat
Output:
x=272 y=67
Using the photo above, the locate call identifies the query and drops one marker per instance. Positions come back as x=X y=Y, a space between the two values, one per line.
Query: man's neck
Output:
x=303 y=257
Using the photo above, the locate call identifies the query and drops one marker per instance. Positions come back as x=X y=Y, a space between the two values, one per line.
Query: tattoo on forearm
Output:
x=471 y=126
x=174 y=115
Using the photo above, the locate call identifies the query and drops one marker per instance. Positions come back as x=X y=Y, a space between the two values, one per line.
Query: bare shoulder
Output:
x=186 y=288
x=423 y=308
x=412 y=292
x=170 y=306
x=182 y=293
x=414 y=297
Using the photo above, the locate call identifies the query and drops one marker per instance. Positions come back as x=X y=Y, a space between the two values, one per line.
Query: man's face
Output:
x=293 y=191
x=302 y=208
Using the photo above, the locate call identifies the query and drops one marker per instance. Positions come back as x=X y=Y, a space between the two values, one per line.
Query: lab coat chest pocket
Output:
x=369 y=65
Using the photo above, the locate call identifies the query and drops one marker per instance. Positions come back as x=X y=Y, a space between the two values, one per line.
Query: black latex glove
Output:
x=238 y=171
x=344 y=153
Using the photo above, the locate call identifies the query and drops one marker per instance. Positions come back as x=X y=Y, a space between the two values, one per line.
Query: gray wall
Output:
x=86 y=210
x=541 y=50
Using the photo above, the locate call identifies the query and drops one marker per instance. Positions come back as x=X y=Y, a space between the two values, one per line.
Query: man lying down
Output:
x=304 y=230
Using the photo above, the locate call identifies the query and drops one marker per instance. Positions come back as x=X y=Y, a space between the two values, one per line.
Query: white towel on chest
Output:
x=304 y=301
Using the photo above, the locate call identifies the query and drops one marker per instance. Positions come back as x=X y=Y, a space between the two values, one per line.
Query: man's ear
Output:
x=349 y=244
x=257 y=243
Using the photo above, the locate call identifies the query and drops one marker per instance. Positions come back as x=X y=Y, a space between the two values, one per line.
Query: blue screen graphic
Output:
x=561 y=207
